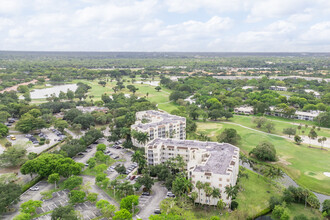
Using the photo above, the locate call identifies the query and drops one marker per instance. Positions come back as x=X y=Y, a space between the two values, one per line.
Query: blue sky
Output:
x=167 y=25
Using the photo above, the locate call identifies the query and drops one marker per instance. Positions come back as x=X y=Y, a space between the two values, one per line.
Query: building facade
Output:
x=208 y=162
x=246 y=110
x=307 y=116
x=159 y=124
x=278 y=88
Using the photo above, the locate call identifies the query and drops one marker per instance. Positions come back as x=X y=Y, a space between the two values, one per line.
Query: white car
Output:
x=34 y=188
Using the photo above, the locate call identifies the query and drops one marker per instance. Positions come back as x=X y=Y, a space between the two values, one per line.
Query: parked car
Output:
x=34 y=188
x=146 y=194
x=170 y=194
x=132 y=178
x=157 y=211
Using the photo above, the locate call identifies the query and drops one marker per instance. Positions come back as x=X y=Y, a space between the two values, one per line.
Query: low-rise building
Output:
x=89 y=109
x=278 y=88
x=208 y=162
x=247 y=110
x=307 y=116
x=248 y=87
x=158 y=124
x=316 y=94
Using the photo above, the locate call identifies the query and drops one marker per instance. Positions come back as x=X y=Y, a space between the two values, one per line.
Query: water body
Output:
x=288 y=181
x=44 y=93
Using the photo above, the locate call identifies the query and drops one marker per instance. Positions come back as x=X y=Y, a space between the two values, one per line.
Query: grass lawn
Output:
x=161 y=98
x=252 y=200
x=280 y=124
x=305 y=165
x=298 y=209
x=257 y=192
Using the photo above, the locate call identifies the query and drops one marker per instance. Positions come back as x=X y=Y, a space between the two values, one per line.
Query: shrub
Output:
x=100 y=177
x=233 y=205
x=77 y=196
x=92 y=197
x=73 y=182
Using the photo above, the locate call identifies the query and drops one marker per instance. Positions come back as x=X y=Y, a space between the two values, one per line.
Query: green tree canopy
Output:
x=229 y=135
x=264 y=151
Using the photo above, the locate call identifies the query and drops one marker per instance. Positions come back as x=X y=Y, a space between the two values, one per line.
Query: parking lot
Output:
x=36 y=148
x=86 y=209
x=29 y=195
x=148 y=204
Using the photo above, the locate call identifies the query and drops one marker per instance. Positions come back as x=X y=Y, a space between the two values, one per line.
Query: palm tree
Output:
x=231 y=191
x=199 y=186
x=216 y=193
x=194 y=196
x=208 y=191
x=143 y=138
x=221 y=205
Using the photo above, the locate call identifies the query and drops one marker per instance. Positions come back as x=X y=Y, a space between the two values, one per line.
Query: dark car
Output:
x=157 y=211
x=146 y=194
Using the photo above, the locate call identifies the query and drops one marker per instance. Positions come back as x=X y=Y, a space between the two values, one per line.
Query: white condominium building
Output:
x=209 y=162
x=159 y=124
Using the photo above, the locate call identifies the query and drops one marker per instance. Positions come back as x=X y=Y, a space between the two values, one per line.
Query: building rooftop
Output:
x=248 y=87
x=91 y=108
x=312 y=91
x=310 y=113
x=220 y=154
x=244 y=108
x=156 y=118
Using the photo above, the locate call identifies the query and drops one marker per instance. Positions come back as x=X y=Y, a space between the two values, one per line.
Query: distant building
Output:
x=216 y=164
x=307 y=116
x=278 y=88
x=316 y=94
x=159 y=124
x=90 y=109
x=248 y=87
x=247 y=110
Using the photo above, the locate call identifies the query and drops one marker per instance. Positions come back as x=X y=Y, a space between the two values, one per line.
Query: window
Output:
x=220 y=185
x=220 y=179
x=208 y=177
x=227 y=180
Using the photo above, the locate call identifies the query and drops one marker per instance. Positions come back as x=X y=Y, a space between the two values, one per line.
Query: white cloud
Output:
x=276 y=8
x=318 y=33
x=169 y=25
x=183 y=6
x=10 y=6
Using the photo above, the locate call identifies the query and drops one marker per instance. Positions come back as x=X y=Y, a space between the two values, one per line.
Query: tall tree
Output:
x=9 y=194
x=199 y=186
x=312 y=135
x=229 y=135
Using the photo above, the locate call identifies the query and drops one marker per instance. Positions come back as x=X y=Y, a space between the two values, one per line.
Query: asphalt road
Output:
x=158 y=194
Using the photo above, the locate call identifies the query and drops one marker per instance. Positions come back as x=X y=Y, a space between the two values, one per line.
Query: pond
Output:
x=56 y=89
x=288 y=181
